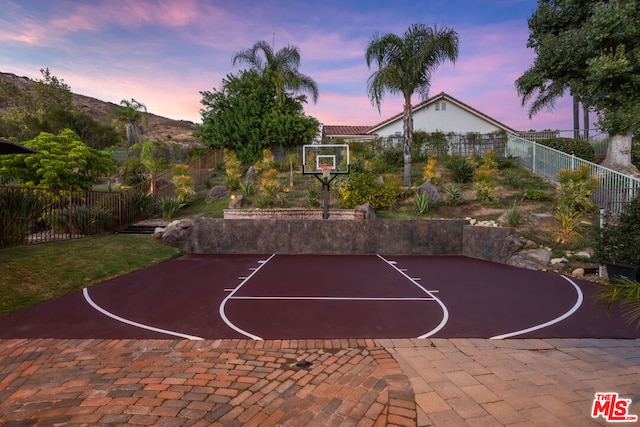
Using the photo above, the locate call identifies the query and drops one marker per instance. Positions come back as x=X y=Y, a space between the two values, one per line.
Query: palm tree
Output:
x=282 y=66
x=405 y=65
x=132 y=114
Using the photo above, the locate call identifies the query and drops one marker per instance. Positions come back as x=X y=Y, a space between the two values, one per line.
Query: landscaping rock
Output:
x=534 y=259
x=512 y=244
x=237 y=202
x=370 y=213
x=431 y=190
x=544 y=220
x=216 y=193
x=158 y=232
x=177 y=233
x=251 y=173
x=578 y=272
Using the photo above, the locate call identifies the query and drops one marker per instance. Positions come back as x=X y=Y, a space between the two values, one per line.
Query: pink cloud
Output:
x=23 y=31
x=128 y=13
x=338 y=109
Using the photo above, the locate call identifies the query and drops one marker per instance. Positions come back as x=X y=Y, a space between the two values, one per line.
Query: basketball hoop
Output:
x=326 y=170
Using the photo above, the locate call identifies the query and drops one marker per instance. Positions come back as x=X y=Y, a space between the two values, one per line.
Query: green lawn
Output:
x=32 y=274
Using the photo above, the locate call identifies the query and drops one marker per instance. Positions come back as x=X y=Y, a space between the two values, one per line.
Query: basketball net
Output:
x=326 y=171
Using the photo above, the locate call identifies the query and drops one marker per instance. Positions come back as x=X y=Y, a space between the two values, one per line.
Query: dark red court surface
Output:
x=300 y=296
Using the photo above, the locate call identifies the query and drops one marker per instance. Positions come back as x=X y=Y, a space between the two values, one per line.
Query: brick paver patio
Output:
x=313 y=382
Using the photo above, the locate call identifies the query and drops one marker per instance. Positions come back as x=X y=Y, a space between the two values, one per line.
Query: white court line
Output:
x=224 y=302
x=85 y=292
x=445 y=312
x=550 y=322
x=334 y=298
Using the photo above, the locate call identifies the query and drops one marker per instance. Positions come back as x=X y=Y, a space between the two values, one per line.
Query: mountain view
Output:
x=157 y=128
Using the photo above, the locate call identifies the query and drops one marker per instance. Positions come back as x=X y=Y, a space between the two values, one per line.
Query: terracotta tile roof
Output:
x=345 y=130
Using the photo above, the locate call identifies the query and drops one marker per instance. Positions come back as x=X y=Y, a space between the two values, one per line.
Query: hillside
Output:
x=157 y=128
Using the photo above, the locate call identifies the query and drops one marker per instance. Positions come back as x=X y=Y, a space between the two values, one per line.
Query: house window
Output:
x=437 y=106
x=444 y=106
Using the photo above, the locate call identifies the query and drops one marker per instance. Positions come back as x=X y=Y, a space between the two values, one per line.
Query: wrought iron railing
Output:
x=597 y=139
x=615 y=190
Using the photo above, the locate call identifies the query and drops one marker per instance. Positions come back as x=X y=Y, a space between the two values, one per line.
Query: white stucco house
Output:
x=440 y=113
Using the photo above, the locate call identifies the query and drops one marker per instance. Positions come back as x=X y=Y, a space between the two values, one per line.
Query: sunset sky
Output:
x=164 y=52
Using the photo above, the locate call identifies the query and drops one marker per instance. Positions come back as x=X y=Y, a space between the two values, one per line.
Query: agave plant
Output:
x=169 y=205
x=423 y=202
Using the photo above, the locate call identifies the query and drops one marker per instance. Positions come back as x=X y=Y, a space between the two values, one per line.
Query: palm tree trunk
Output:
x=576 y=118
x=585 y=119
x=408 y=140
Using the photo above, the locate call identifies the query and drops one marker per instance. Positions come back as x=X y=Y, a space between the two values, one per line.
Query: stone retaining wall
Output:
x=386 y=237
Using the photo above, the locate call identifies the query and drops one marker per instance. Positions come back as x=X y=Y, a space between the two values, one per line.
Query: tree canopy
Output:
x=405 y=66
x=281 y=67
x=63 y=161
x=246 y=117
x=592 y=50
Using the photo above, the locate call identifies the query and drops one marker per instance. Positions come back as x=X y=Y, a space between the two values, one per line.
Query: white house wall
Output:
x=452 y=119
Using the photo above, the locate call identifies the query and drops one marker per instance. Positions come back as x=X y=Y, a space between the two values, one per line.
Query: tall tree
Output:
x=281 y=67
x=591 y=49
x=132 y=115
x=246 y=117
x=405 y=65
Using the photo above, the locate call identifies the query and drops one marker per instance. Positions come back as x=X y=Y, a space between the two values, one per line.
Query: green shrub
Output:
x=507 y=162
x=185 y=189
x=19 y=209
x=578 y=147
x=512 y=179
x=169 y=205
x=620 y=242
x=312 y=198
x=393 y=155
x=485 y=179
x=232 y=169
x=83 y=220
x=513 y=216
x=453 y=195
x=423 y=202
x=142 y=201
x=485 y=192
x=575 y=188
x=359 y=188
x=247 y=188
x=460 y=169
x=265 y=200
x=536 y=195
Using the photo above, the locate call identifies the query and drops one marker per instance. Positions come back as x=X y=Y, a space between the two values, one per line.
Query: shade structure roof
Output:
x=8 y=147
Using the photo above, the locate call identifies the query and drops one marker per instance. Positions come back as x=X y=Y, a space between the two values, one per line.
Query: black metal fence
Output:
x=37 y=215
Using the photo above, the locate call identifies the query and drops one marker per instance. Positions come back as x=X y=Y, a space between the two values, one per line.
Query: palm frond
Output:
x=626 y=293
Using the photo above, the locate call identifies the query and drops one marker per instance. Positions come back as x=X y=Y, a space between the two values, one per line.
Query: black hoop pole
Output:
x=326 y=181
